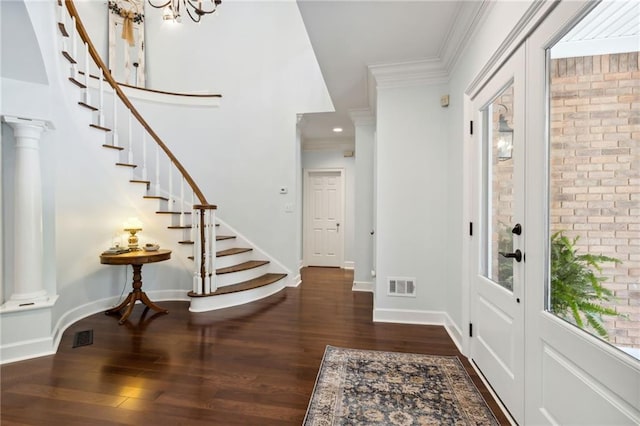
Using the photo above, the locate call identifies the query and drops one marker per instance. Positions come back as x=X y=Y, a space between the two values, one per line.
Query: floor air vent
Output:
x=402 y=287
x=83 y=338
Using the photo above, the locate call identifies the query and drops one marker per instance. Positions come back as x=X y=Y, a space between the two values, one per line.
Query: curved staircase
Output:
x=228 y=269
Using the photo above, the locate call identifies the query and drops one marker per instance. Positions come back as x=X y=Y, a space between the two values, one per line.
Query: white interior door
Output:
x=497 y=268
x=324 y=210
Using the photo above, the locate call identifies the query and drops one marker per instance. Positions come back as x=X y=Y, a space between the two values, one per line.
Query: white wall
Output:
x=412 y=190
x=258 y=56
x=500 y=20
x=335 y=159
x=363 y=210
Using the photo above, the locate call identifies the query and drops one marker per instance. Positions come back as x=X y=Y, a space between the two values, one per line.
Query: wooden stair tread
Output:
x=169 y=212
x=232 y=251
x=261 y=281
x=95 y=126
x=86 y=105
x=224 y=237
x=179 y=227
x=187 y=242
x=63 y=30
x=68 y=57
x=77 y=83
x=146 y=182
x=119 y=148
x=133 y=166
x=241 y=267
x=155 y=197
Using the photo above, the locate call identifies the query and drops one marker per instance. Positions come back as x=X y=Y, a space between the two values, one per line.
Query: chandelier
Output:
x=196 y=9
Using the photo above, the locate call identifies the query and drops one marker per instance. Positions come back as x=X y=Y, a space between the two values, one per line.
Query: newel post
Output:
x=28 y=288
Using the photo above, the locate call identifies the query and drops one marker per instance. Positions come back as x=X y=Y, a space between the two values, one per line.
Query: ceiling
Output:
x=349 y=36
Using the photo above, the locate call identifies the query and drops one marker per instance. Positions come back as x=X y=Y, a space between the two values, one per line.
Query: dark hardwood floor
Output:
x=250 y=365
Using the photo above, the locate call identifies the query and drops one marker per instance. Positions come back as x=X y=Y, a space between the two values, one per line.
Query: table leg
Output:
x=135 y=295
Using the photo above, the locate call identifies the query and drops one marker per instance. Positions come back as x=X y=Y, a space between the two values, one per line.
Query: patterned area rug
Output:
x=359 y=387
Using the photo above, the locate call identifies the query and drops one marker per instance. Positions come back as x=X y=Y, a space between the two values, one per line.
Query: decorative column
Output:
x=28 y=233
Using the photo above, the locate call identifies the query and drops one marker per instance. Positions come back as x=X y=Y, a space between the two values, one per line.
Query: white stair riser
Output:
x=203 y=304
x=225 y=261
x=226 y=244
x=238 y=277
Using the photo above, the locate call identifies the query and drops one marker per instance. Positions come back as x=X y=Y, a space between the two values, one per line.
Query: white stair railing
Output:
x=137 y=130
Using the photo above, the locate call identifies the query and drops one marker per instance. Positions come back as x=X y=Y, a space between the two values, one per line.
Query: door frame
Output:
x=306 y=219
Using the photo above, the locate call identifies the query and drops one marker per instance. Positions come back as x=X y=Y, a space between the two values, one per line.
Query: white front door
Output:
x=324 y=228
x=497 y=273
x=572 y=376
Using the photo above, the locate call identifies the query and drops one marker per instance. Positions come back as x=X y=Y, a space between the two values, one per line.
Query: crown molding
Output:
x=536 y=12
x=362 y=117
x=409 y=73
x=468 y=19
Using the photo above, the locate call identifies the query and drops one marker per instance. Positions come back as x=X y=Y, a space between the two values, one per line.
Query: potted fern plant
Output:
x=576 y=290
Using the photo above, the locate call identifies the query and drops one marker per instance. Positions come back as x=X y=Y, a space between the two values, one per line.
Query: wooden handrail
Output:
x=116 y=87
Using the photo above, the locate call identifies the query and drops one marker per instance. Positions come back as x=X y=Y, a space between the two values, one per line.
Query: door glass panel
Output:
x=594 y=181
x=499 y=182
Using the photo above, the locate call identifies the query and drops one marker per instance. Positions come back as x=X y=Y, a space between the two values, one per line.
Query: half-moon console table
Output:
x=135 y=259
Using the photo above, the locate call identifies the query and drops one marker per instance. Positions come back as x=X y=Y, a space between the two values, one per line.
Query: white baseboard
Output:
x=295 y=282
x=33 y=348
x=349 y=264
x=363 y=286
x=407 y=316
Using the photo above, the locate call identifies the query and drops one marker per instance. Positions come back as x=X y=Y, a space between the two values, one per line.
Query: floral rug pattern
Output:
x=360 y=387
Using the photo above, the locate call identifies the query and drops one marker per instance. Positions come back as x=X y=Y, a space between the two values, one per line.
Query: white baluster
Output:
x=130 y=136
x=171 y=200
x=114 y=129
x=144 y=155
x=210 y=284
x=197 y=260
x=74 y=47
x=182 y=202
x=207 y=253
x=87 y=75
x=101 y=101
x=157 y=169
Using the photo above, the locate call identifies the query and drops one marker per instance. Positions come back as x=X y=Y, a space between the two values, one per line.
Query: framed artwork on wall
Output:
x=126 y=41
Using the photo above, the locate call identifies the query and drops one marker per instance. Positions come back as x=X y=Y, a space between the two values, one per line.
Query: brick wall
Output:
x=595 y=171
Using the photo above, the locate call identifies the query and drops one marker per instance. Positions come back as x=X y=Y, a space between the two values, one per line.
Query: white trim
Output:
x=172 y=99
x=27 y=349
x=408 y=74
x=206 y=304
x=608 y=46
x=349 y=264
x=410 y=316
x=328 y=144
x=487 y=385
x=362 y=117
x=367 y=286
x=538 y=10
x=454 y=332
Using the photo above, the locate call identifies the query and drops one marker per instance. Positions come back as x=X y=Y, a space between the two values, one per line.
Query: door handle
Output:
x=337 y=227
x=517 y=255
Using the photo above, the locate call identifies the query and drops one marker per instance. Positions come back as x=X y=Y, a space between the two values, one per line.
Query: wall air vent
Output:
x=398 y=286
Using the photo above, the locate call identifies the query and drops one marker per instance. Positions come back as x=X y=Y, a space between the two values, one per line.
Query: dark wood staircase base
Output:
x=261 y=281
